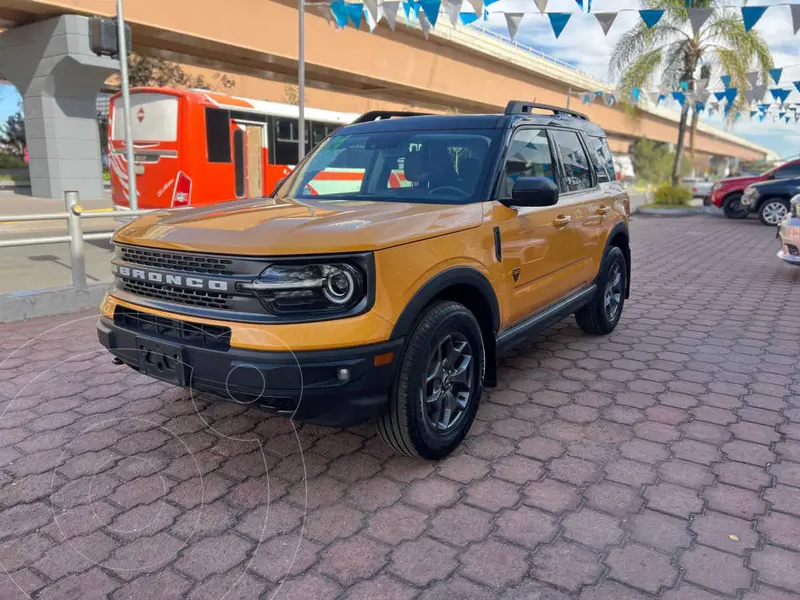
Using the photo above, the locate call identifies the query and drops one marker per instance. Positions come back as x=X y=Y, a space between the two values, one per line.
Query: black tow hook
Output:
x=116 y=360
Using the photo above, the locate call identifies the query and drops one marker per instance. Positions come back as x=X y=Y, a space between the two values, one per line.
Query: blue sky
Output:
x=583 y=45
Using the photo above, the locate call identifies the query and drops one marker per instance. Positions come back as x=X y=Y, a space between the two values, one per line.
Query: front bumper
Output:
x=304 y=386
x=789 y=235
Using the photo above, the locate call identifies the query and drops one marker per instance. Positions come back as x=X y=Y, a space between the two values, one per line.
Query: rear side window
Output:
x=218 y=135
x=788 y=171
x=577 y=175
x=602 y=158
x=154 y=118
x=528 y=156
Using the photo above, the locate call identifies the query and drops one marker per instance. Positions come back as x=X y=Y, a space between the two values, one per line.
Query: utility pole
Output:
x=301 y=80
x=133 y=199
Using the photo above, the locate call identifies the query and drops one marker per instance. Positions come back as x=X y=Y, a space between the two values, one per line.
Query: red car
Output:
x=727 y=193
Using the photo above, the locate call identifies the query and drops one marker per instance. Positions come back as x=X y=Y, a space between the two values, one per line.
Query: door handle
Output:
x=603 y=210
x=562 y=221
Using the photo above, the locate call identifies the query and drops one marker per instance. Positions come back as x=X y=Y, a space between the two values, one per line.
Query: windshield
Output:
x=401 y=166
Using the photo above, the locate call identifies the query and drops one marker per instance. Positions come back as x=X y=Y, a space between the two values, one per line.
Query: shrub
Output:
x=667 y=195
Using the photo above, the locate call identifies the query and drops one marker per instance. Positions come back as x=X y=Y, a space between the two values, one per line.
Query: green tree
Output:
x=153 y=71
x=705 y=73
x=672 y=53
x=652 y=161
x=12 y=136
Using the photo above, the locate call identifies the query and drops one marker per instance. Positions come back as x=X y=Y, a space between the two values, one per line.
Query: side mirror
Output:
x=534 y=191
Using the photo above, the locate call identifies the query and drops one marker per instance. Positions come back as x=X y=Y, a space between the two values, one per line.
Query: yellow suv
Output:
x=385 y=274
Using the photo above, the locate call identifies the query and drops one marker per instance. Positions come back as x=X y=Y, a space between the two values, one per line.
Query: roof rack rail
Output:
x=377 y=115
x=520 y=107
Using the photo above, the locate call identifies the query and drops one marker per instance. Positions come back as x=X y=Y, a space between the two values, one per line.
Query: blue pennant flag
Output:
x=781 y=114
x=761 y=118
x=776 y=74
x=730 y=95
x=660 y=98
x=586 y=98
x=727 y=109
x=489 y=2
x=339 y=11
x=558 y=21
x=719 y=95
x=431 y=8
x=753 y=113
x=467 y=18
x=779 y=94
x=415 y=6
x=636 y=93
x=651 y=17
x=598 y=94
x=355 y=12
x=680 y=97
x=407 y=10
x=485 y=15
x=699 y=106
x=788 y=119
x=797 y=85
x=751 y=15
x=684 y=85
x=726 y=81
x=763 y=107
x=580 y=3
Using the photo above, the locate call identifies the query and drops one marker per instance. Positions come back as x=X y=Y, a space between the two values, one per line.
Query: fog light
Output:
x=343 y=374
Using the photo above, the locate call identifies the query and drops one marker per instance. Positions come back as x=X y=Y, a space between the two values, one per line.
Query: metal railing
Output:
x=75 y=235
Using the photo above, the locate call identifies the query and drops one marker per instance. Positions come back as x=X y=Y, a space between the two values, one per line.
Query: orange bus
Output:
x=196 y=147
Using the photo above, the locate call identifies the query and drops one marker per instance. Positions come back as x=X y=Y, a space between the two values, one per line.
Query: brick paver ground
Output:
x=660 y=461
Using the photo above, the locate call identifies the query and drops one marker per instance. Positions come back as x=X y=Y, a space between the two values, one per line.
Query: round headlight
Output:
x=339 y=287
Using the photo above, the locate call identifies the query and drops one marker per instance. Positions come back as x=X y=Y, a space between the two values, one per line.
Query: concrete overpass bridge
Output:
x=454 y=69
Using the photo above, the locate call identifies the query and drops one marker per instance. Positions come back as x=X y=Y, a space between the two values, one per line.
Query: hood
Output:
x=280 y=227
x=741 y=181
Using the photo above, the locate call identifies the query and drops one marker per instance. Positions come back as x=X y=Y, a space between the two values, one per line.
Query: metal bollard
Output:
x=75 y=231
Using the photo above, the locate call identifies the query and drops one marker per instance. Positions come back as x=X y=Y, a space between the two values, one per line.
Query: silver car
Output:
x=789 y=234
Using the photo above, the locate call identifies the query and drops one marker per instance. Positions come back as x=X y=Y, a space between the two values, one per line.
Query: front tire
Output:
x=602 y=314
x=732 y=207
x=772 y=211
x=438 y=389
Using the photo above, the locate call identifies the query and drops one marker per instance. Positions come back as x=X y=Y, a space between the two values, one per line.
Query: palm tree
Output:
x=705 y=73
x=672 y=53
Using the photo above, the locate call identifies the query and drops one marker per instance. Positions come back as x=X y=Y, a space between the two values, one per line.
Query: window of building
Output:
x=577 y=175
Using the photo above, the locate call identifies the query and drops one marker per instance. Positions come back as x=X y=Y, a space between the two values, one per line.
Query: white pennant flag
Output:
x=372 y=9
x=759 y=91
x=700 y=84
x=752 y=78
x=703 y=95
x=424 y=23
x=390 y=11
x=795 y=17
x=541 y=5
x=454 y=10
x=606 y=20
x=698 y=17
x=512 y=22
x=322 y=11
x=478 y=6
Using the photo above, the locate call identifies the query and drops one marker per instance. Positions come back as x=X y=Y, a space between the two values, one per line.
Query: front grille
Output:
x=176 y=295
x=214 y=337
x=176 y=261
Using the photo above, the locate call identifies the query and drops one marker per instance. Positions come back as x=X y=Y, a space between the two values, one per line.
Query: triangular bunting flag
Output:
x=651 y=17
x=606 y=20
x=703 y=96
x=797 y=85
x=779 y=95
x=719 y=95
x=752 y=78
x=610 y=99
x=763 y=107
x=761 y=118
x=781 y=114
x=453 y=9
x=467 y=18
x=580 y=3
x=698 y=107
x=726 y=81
x=390 y=12
x=355 y=12
x=680 y=97
x=749 y=95
x=751 y=15
x=424 y=23
x=787 y=119
x=340 y=15
x=323 y=10
x=700 y=84
x=558 y=21
x=485 y=15
x=730 y=95
x=795 y=17
x=776 y=74
x=684 y=85
x=372 y=9
x=753 y=113
x=636 y=94
x=660 y=98
x=477 y=6
x=512 y=22
x=407 y=10
x=713 y=106
x=698 y=17
x=431 y=8
x=541 y=5
x=586 y=98
x=759 y=92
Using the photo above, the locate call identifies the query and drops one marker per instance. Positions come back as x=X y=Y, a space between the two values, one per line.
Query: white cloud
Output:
x=583 y=45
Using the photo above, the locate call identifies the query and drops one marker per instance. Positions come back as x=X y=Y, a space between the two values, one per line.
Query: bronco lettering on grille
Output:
x=170 y=279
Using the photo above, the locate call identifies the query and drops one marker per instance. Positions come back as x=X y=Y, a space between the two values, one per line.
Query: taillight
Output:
x=182 y=195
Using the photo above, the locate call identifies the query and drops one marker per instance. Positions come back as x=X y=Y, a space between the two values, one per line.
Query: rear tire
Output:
x=445 y=352
x=602 y=314
x=772 y=211
x=732 y=207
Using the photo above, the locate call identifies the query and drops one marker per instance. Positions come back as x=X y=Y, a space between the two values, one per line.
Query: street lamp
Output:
x=133 y=198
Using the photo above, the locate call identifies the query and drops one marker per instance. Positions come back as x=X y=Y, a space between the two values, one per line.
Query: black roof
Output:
x=516 y=113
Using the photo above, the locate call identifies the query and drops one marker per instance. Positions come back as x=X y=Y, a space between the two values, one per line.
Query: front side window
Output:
x=602 y=158
x=528 y=156
x=403 y=166
x=788 y=171
x=577 y=175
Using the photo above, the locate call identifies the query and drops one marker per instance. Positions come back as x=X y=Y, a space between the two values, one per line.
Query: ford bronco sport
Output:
x=388 y=295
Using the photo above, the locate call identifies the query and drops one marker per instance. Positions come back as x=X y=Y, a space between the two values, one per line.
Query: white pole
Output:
x=126 y=103
x=301 y=80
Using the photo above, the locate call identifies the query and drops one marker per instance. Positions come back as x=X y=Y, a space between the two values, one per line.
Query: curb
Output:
x=671 y=212
x=21 y=306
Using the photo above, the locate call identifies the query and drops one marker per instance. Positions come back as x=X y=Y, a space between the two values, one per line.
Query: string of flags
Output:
x=426 y=13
